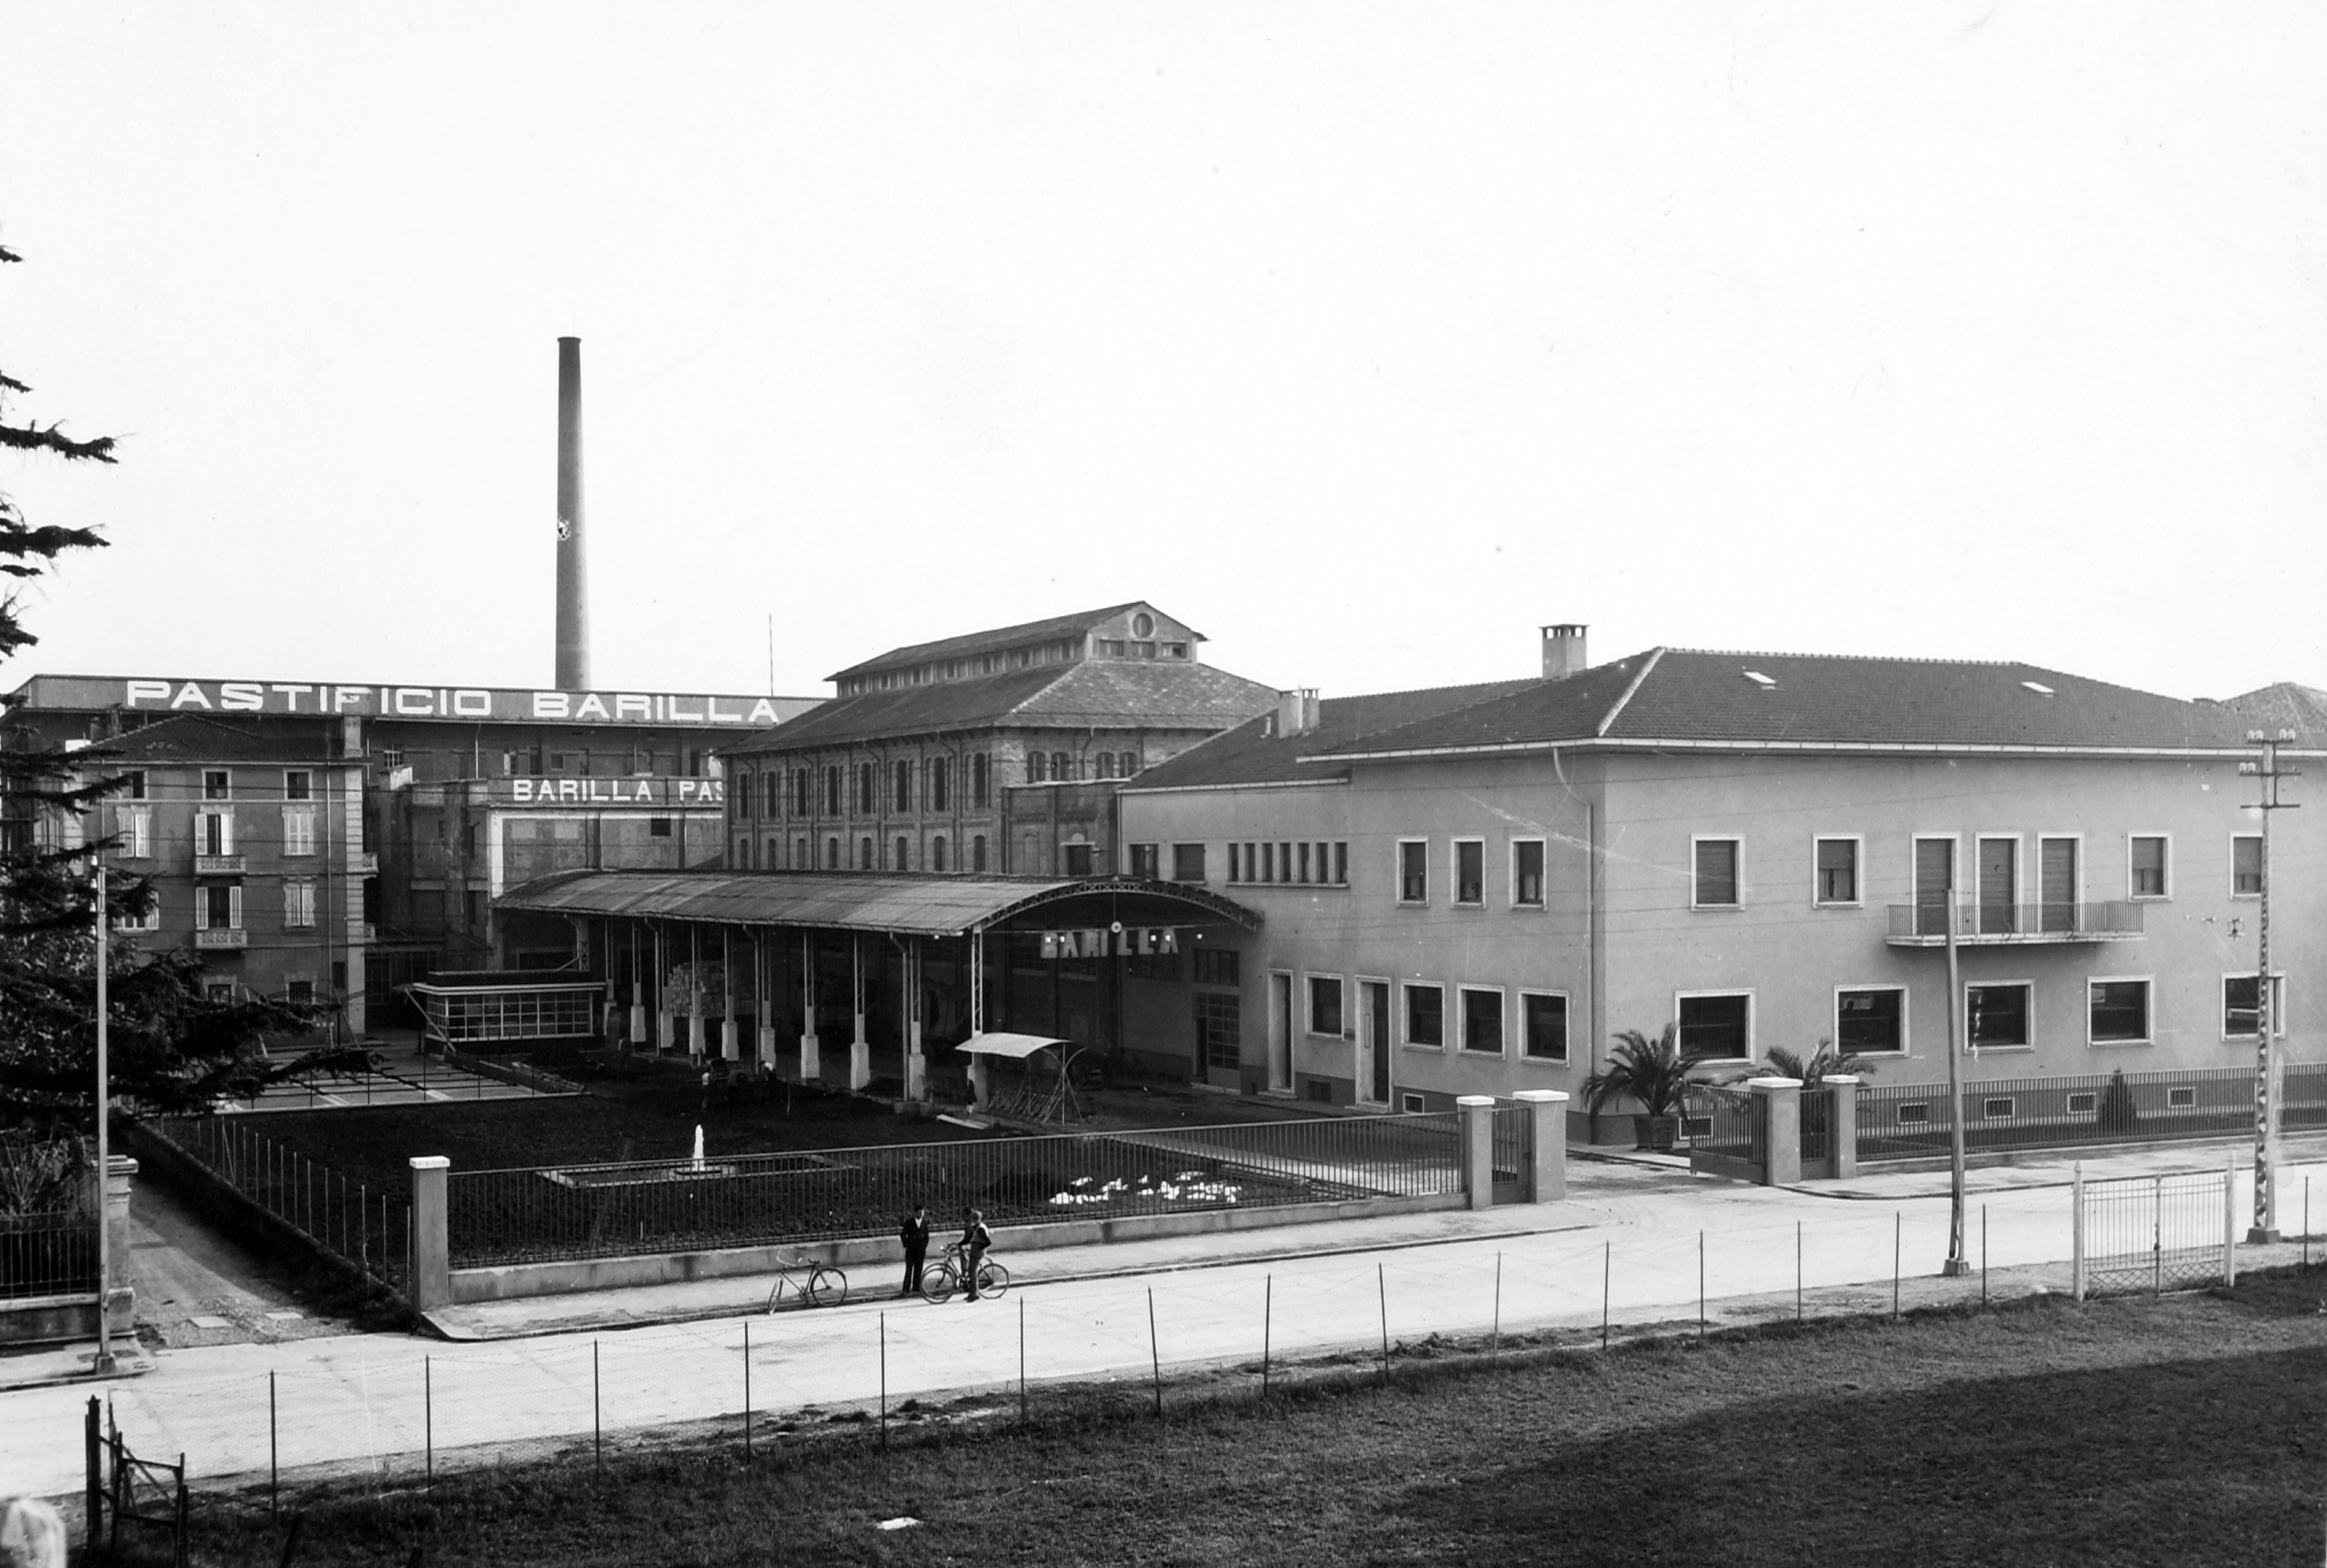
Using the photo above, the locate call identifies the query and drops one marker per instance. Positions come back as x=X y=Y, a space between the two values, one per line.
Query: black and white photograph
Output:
x=1119 y=783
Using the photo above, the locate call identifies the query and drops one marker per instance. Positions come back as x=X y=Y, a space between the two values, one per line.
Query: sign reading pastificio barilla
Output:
x=458 y=705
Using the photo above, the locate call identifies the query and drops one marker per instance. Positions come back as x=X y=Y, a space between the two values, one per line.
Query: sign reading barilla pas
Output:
x=471 y=704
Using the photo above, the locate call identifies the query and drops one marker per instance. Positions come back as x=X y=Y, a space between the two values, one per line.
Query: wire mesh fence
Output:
x=603 y=1210
x=365 y=1229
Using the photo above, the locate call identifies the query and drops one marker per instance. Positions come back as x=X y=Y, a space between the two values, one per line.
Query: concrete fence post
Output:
x=1780 y=1102
x=1478 y=1147
x=1844 y=1120
x=432 y=1253
x=1547 y=1142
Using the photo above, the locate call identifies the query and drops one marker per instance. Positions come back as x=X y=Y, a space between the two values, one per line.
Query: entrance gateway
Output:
x=851 y=977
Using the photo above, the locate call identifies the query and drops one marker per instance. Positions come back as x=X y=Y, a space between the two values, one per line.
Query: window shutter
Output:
x=234 y=906
x=226 y=840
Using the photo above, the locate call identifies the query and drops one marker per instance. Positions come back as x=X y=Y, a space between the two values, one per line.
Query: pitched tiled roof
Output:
x=1680 y=697
x=1000 y=637
x=1254 y=753
x=191 y=739
x=2285 y=707
x=1116 y=694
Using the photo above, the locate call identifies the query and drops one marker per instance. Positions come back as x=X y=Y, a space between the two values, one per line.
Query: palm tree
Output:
x=1651 y=1072
x=1824 y=1063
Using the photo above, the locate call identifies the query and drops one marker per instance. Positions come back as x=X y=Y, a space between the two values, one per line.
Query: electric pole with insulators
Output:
x=2266 y=1192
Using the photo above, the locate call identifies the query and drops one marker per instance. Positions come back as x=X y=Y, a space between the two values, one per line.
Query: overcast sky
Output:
x=1363 y=338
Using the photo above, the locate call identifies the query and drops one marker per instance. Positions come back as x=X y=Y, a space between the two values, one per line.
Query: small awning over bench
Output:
x=1014 y=1046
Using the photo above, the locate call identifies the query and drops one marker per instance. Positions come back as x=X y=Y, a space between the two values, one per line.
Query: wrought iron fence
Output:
x=538 y=1215
x=51 y=1254
x=366 y=1227
x=1511 y=1150
x=2154 y=1234
x=1912 y=1121
x=1726 y=1123
x=1817 y=1121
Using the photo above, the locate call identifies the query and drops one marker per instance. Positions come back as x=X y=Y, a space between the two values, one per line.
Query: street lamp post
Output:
x=1956 y=1263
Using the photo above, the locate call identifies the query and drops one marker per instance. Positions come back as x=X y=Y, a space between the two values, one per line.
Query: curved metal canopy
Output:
x=898 y=903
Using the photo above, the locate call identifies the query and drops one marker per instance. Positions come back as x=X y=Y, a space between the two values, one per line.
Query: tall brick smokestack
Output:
x=572 y=572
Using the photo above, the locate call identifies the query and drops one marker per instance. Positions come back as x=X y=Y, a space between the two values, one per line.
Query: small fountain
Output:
x=698 y=1148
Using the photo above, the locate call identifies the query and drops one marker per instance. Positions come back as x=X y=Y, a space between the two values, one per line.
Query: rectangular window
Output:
x=2246 y=865
x=1188 y=862
x=774 y=807
x=902 y=792
x=1426 y=1017
x=1325 y=1005
x=2151 y=865
x=1543 y=1024
x=2118 y=1012
x=1216 y=966
x=1221 y=1030
x=977 y=851
x=1469 y=871
x=298 y=830
x=1146 y=861
x=1304 y=874
x=151 y=920
x=221 y=906
x=832 y=853
x=215 y=785
x=981 y=781
x=1269 y=863
x=300 y=993
x=940 y=784
x=298 y=784
x=1482 y=1020
x=1340 y=863
x=2242 y=1003
x=1873 y=1019
x=1999 y=1015
x=135 y=824
x=1836 y=872
x=136 y=789
x=1715 y=873
x=214 y=833
x=1935 y=881
x=1413 y=871
x=1078 y=859
x=1717 y=1025
x=298 y=903
x=832 y=791
x=1527 y=872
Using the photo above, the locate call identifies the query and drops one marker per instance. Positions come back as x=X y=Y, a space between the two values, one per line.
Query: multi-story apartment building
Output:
x=1470 y=892
x=998 y=751
x=442 y=795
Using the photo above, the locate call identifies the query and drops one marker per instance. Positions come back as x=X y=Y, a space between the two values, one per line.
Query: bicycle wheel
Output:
x=826 y=1287
x=993 y=1279
x=938 y=1283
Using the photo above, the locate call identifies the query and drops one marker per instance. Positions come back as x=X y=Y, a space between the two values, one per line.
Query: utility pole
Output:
x=1956 y=1264
x=2265 y=1195
x=103 y=1365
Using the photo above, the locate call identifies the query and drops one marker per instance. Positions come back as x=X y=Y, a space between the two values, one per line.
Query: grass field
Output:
x=2190 y=1430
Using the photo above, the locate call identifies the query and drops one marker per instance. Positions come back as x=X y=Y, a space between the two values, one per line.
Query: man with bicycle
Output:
x=975 y=1240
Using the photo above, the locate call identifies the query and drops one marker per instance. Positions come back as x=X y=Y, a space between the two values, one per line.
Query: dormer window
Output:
x=2038 y=687
x=1761 y=680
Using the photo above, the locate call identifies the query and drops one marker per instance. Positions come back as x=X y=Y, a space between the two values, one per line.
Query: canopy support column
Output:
x=694 y=993
x=727 y=1047
x=860 y=1049
x=811 y=1058
x=638 y=992
x=917 y=1070
x=761 y=1008
x=665 y=1023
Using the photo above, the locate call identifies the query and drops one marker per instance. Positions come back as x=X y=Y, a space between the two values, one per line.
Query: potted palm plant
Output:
x=1652 y=1074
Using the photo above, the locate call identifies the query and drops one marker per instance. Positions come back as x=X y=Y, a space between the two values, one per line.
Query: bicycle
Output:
x=827 y=1286
x=939 y=1281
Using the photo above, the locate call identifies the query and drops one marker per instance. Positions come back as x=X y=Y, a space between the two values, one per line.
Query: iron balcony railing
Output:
x=727 y=1200
x=221 y=936
x=218 y=866
x=1925 y=924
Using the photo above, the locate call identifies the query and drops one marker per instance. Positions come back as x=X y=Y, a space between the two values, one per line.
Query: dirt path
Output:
x=195 y=1287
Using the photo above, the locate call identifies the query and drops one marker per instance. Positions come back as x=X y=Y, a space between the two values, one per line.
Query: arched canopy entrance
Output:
x=900 y=966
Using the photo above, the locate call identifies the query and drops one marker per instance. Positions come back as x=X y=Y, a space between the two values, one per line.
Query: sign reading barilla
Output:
x=644 y=790
x=457 y=704
x=1124 y=941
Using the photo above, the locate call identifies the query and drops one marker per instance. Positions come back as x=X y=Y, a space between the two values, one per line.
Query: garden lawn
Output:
x=2190 y=1430
x=629 y=1119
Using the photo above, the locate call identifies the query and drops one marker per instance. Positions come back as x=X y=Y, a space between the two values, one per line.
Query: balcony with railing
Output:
x=1986 y=924
x=364 y=863
x=221 y=936
x=218 y=866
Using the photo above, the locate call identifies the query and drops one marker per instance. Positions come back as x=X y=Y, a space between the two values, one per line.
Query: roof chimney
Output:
x=573 y=578
x=1296 y=711
x=1563 y=650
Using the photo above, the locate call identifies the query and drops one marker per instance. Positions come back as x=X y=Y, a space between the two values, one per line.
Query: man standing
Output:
x=915 y=1235
x=975 y=1240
